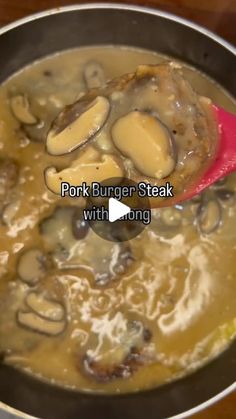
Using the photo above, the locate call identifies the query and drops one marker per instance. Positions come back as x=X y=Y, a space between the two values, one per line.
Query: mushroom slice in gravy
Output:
x=143 y=139
x=77 y=124
x=21 y=110
x=107 y=167
x=209 y=216
x=44 y=307
x=34 y=322
x=32 y=266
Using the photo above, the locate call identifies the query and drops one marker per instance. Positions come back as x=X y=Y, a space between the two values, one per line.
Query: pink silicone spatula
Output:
x=225 y=160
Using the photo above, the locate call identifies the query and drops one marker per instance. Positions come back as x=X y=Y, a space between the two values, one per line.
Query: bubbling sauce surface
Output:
x=75 y=309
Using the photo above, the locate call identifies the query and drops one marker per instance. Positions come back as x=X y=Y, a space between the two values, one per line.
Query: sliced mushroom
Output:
x=13 y=340
x=39 y=324
x=21 y=110
x=48 y=309
x=76 y=125
x=121 y=361
x=108 y=167
x=32 y=266
x=89 y=154
x=94 y=75
x=146 y=141
x=209 y=216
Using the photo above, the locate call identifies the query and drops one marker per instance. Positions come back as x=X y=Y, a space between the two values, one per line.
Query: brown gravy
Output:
x=78 y=311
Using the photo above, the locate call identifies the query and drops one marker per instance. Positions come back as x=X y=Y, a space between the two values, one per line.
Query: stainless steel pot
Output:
x=45 y=33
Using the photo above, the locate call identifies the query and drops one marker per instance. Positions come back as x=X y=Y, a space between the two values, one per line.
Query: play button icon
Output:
x=117 y=210
x=120 y=224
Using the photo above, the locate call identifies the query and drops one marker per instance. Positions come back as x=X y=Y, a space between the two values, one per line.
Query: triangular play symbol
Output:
x=117 y=210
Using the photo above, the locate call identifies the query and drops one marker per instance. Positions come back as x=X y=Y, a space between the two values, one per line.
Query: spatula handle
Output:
x=226 y=158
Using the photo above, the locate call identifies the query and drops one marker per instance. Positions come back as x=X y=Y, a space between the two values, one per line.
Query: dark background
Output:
x=217 y=15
